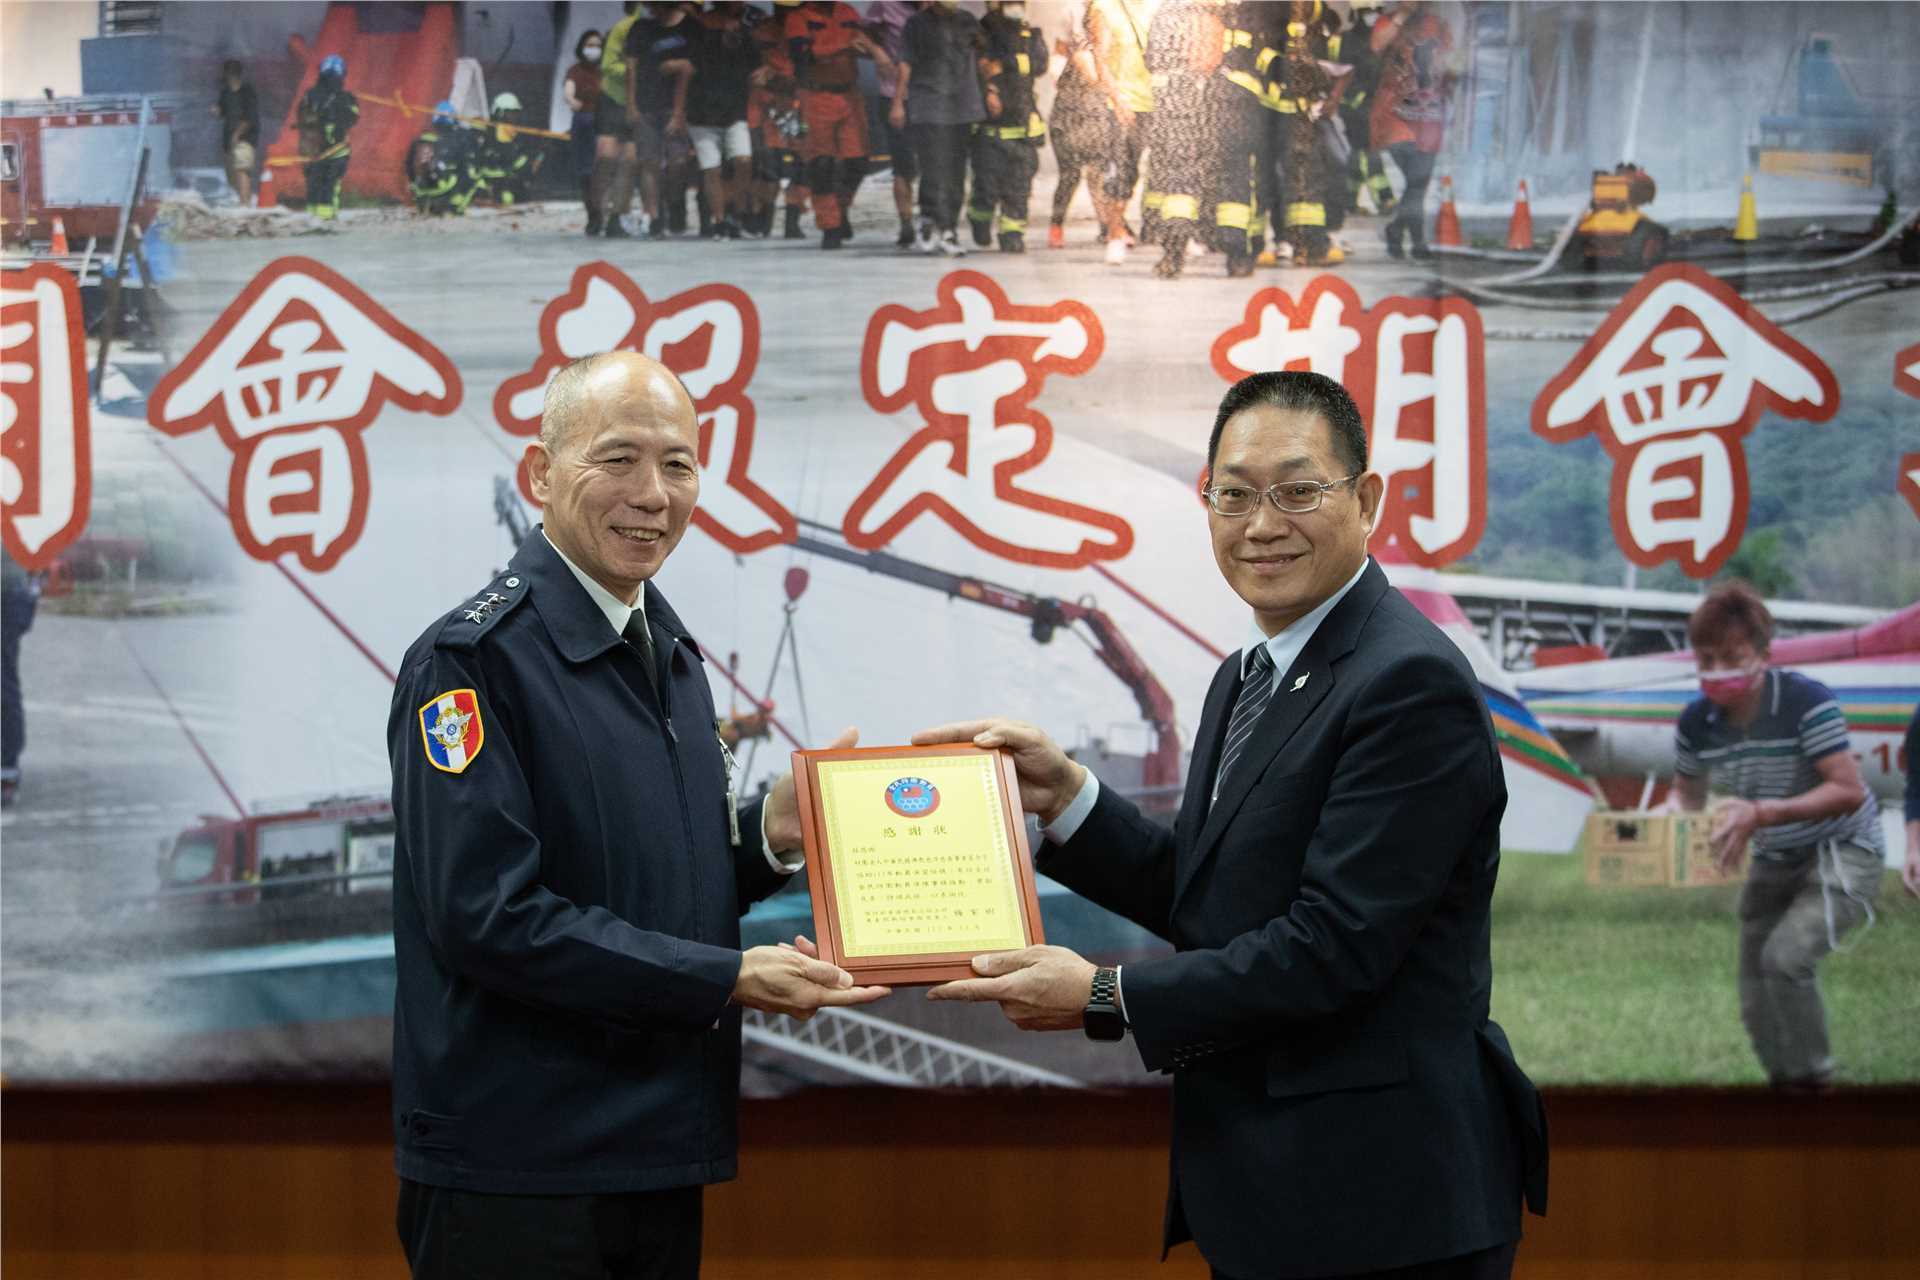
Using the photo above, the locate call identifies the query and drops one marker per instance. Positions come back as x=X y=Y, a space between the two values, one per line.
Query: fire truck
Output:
x=74 y=159
x=307 y=869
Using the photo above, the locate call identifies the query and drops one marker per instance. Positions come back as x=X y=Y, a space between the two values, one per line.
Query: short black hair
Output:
x=1307 y=393
x=232 y=67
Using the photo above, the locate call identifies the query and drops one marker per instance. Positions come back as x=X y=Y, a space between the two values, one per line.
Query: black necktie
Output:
x=1255 y=692
x=642 y=641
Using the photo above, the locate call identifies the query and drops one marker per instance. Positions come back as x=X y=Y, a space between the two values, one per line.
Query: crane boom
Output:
x=1046 y=615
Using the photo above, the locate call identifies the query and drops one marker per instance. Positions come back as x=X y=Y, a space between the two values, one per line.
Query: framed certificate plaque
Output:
x=917 y=860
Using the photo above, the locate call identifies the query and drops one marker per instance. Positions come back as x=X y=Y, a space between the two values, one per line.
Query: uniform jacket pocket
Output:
x=429 y=1131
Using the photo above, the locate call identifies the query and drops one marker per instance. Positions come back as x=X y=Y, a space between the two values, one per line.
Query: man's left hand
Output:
x=782 y=814
x=1038 y=988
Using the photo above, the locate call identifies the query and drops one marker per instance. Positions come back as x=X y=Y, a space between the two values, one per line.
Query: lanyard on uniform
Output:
x=728 y=763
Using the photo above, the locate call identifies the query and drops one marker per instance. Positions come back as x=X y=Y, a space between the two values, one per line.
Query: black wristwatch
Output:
x=1102 y=1014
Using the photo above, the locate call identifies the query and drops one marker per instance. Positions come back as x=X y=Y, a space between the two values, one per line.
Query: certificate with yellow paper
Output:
x=917 y=860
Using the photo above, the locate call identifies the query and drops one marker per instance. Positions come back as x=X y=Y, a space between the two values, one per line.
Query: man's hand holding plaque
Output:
x=1039 y=988
x=794 y=980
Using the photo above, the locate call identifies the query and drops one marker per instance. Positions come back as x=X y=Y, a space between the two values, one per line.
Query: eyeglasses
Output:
x=1295 y=497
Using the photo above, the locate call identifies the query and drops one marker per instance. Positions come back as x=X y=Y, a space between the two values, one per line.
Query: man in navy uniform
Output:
x=1342 y=1104
x=570 y=865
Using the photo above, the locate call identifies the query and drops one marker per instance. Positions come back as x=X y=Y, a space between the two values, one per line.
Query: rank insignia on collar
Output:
x=451 y=730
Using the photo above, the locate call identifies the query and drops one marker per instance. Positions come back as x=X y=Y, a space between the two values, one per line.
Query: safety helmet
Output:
x=443 y=111
x=505 y=102
x=333 y=65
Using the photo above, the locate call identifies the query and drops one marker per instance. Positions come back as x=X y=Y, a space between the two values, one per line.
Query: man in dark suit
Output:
x=1342 y=1103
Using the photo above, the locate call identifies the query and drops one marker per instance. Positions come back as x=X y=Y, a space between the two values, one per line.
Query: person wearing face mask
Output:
x=1776 y=742
x=582 y=91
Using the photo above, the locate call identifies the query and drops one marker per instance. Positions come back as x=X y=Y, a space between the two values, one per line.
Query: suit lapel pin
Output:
x=1297 y=683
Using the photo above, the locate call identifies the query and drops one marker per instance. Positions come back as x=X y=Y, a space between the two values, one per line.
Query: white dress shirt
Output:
x=619 y=613
x=1284 y=647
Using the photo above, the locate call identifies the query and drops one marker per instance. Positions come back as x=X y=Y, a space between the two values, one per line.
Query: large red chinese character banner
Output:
x=289 y=376
x=1681 y=370
x=710 y=338
x=46 y=473
x=1417 y=371
x=971 y=369
x=941 y=478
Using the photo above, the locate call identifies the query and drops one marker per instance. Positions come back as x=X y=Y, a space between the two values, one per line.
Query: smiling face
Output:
x=1284 y=565
x=619 y=482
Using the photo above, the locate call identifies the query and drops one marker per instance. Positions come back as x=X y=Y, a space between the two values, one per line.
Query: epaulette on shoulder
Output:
x=467 y=625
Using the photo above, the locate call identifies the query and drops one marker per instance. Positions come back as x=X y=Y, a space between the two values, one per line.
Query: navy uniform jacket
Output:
x=1341 y=1101
x=566 y=905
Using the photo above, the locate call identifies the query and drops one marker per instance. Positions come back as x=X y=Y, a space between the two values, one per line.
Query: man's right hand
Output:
x=897 y=114
x=1048 y=780
x=793 y=980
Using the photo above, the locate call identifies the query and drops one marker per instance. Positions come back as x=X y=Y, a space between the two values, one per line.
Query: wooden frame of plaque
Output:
x=906 y=968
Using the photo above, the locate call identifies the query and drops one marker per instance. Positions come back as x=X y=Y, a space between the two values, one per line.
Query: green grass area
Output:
x=1636 y=986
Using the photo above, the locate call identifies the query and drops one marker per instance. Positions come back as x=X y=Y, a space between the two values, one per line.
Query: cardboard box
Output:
x=1627 y=848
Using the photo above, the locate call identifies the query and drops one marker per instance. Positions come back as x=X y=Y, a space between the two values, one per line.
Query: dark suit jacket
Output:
x=1341 y=1100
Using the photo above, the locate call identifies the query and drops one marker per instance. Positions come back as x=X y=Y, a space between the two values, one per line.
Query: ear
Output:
x=539 y=467
x=1370 y=489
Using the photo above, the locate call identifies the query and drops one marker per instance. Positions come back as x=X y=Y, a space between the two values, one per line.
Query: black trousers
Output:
x=1242 y=130
x=1182 y=157
x=941 y=150
x=466 y=1235
x=1003 y=170
x=1411 y=219
x=1487 y=1264
x=323 y=184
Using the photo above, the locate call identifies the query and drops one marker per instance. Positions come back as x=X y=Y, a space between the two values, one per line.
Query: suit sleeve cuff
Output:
x=1062 y=828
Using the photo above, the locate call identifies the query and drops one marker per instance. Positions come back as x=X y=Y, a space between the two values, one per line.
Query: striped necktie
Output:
x=1256 y=691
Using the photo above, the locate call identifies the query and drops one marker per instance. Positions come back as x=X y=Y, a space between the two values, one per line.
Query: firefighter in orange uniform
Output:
x=826 y=42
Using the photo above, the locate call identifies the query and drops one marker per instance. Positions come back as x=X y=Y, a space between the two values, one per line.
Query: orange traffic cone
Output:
x=1520 y=226
x=263 y=197
x=59 y=246
x=1446 y=224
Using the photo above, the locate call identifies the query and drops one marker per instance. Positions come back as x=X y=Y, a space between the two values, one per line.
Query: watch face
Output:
x=1104 y=1023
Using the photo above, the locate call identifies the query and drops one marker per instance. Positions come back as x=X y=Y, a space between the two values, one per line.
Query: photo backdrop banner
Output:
x=1667 y=337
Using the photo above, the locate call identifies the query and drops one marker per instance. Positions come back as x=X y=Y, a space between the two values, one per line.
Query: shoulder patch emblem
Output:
x=451 y=730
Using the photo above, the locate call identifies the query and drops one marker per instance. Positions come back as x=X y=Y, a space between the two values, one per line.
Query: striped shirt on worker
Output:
x=1774 y=758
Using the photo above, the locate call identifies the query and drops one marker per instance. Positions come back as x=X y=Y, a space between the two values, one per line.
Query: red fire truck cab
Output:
x=72 y=159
